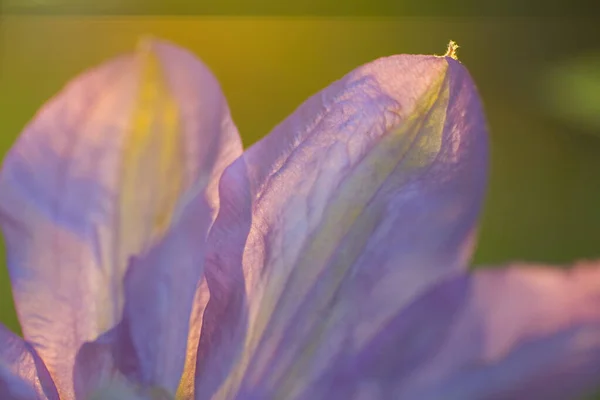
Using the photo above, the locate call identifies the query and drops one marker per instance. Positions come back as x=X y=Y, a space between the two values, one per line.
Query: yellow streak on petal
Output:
x=153 y=149
x=414 y=144
x=152 y=173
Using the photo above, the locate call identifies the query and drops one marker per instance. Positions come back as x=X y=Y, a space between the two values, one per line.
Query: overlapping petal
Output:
x=329 y=226
x=105 y=172
x=521 y=332
x=149 y=346
x=14 y=387
x=23 y=374
x=525 y=332
x=336 y=265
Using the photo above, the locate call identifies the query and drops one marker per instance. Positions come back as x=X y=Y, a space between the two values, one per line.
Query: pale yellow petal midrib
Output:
x=338 y=222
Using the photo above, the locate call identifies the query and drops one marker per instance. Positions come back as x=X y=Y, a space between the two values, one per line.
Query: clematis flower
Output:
x=151 y=259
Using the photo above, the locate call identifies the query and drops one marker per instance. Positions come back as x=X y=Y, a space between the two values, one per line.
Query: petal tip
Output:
x=149 y=42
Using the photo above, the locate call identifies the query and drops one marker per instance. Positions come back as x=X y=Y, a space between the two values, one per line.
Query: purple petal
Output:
x=12 y=387
x=101 y=175
x=377 y=367
x=23 y=374
x=150 y=346
x=98 y=373
x=524 y=332
x=358 y=201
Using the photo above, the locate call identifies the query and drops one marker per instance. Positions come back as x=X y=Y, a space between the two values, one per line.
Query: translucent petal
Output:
x=363 y=197
x=101 y=175
x=524 y=332
x=13 y=387
x=23 y=374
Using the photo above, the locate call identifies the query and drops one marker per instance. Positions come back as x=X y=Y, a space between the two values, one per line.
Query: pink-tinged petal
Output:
x=525 y=332
x=353 y=205
x=101 y=175
x=23 y=374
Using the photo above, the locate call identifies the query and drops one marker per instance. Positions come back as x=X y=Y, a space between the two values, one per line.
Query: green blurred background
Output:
x=539 y=79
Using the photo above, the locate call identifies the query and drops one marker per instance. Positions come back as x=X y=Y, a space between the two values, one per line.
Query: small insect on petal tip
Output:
x=452 y=49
